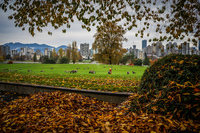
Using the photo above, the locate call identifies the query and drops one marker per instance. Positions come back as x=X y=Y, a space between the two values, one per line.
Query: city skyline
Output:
x=10 y=33
x=156 y=50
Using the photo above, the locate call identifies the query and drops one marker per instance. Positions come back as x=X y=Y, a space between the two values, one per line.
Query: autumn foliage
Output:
x=171 y=87
x=153 y=61
x=168 y=100
x=108 y=43
x=10 y=62
x=61 y=112
x=101 y=84
x=172 y=19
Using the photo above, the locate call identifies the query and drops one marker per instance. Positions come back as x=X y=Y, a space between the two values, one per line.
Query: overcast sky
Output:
x=10 y=33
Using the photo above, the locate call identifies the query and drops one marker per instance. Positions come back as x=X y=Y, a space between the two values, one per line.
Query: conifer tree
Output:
x=146 y=60
x=34 y=57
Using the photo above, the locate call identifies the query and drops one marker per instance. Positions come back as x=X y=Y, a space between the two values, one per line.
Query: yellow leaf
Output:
x=150 y=120
x=61 y=126
x=197 y=94
x=179 y=98
x=120 y=113
x=38 y=114
x=182 y=127
x=84 y=124
x=181 y=62
x=170 y=121
x=22 y=115
x=159 y=124
x=144 y=118
x=191 y=122
x=186 y=94
x=88 y=120
x=166 y=127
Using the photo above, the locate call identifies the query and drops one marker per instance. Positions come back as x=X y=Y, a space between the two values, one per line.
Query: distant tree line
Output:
x=130 y=58
x=62 y=56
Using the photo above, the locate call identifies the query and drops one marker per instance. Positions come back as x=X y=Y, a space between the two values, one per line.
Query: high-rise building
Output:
x=193 y=50
x=171 y=48
x=4 y=50
x=140 y=54
x=159 y=49
x=24 y=51
x=148 y=51
x=38 y=54
x=134 y=46
x=144 y=44
x=13 y=52
x=174 y=49
x=84 y=50
x=7 y=50
x=134 y=51
x=199 y=45
x=185 y=47
x=47 y=52
x=130 y=50
x=153 y=45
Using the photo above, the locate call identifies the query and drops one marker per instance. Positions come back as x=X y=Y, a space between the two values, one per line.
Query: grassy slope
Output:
x=101 y=70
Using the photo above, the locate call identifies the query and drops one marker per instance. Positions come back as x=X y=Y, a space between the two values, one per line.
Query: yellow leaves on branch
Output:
x=181 y=20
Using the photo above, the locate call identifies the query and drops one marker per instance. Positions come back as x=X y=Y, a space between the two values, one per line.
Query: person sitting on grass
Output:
x=110 y=71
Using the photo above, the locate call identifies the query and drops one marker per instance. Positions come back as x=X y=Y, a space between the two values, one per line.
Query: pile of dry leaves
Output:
x=61 y=112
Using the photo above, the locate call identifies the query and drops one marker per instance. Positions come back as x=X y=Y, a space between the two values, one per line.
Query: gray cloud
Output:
x=10 y=33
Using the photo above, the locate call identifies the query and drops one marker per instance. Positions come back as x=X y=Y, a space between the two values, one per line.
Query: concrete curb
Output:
x=117 y=97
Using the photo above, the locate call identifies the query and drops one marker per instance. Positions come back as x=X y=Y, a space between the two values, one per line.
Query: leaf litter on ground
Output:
x=61 y=112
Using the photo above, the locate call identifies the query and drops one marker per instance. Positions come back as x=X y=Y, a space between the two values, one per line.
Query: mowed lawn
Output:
x=118 y=71
x=57 y=75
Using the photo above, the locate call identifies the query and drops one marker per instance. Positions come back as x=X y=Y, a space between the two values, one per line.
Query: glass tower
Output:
x=144 y=44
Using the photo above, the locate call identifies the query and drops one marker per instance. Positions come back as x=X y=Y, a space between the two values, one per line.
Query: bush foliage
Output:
x=64 y=60
x=47 y=60
x=146 y=60
x=1 y=59
x=138 y=62
x=123 y=60
x=171 y=86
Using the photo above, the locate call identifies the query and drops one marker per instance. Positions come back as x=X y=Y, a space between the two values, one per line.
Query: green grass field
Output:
x=119 y=80
x=83 y=70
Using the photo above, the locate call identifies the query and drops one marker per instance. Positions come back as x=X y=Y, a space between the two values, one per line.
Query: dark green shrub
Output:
x=171 y=86
x=49 y=61
x=123 y=60
x=91 y=60
x=146 y=60
x=138 y=62
x=35 y=57
x=1 y=59
x=64 y=60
